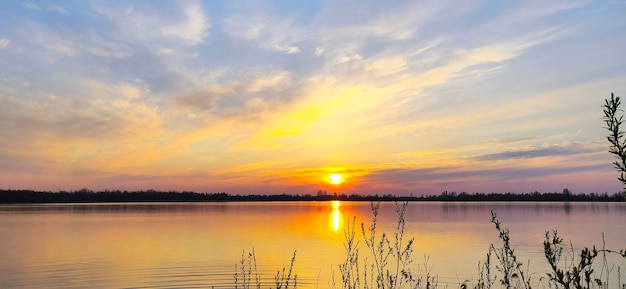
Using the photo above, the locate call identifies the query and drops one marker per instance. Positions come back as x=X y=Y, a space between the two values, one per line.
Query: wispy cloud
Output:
x=534 y=153
x=193 y=29
x=57 y=9
x=4 y=42
x=31 y=6
x=508 y=140
x=139 y=25
x=271 y=33
x=57 y=45
x=465 y=179
x=245 y=96
x=286 y=49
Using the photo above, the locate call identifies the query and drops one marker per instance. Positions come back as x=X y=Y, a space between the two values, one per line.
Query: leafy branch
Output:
x=614 y=123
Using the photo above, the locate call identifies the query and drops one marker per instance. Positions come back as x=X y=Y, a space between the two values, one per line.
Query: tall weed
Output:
x=387 y=263
x=247 y=276
x=578 y=273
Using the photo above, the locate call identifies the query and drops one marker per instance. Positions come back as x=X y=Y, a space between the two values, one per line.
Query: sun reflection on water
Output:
x=336 y=218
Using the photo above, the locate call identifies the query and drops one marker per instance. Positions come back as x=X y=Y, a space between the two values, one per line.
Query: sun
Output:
x=336 y=179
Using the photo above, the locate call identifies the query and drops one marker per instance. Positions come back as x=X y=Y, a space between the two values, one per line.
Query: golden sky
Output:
x=401 y=97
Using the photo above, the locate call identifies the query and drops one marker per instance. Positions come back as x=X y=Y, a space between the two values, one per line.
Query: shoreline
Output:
x=150 y=196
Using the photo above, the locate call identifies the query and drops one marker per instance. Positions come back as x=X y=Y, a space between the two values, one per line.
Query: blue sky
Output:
x=273 y=96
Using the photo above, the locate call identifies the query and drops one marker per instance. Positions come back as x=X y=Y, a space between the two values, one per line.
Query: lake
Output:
x=197 y=245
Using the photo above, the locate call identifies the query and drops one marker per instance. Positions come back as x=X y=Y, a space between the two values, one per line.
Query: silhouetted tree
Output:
x=616 y=137
x=89 y=196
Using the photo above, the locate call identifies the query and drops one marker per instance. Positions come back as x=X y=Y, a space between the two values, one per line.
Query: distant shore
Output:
x=89 y=196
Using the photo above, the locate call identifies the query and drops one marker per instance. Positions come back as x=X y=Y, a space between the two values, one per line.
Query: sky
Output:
x=265 y=97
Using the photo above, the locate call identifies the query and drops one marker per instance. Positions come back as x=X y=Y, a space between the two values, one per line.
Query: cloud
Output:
x=399 y=22
x=375 y=29
x=31 y=6
x=30 y=120
x=86 y=128
x=348 y=58
x=534 y=153
x=56 y=45
x=462 y=60
x=4 y=42
x=507 y=140
x=57 y=9
x=97 y=46
x=266 y=32
x=386 y=66
x=242 y=96
x=92 y=115
x=360 y=86
x=132 y=92
x=286 y=49
x=471 y=177
x=193 y=29
x=138 y=25
x=535 y=9
x=275 y=80
x=69 y=44
x=246 y=28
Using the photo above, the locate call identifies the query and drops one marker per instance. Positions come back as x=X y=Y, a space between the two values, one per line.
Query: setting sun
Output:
x=336 y=179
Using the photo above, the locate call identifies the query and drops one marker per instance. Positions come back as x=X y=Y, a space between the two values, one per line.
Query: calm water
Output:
x=196 y=245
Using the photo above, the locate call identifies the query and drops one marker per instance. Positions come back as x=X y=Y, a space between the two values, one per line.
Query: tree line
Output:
x=89 y=196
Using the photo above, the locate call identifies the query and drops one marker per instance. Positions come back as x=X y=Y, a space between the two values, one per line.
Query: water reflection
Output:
x=184 y=245
x=336 y=218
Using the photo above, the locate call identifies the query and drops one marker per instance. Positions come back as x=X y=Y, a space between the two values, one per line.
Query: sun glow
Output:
x=336 y=179
x=336 y=218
